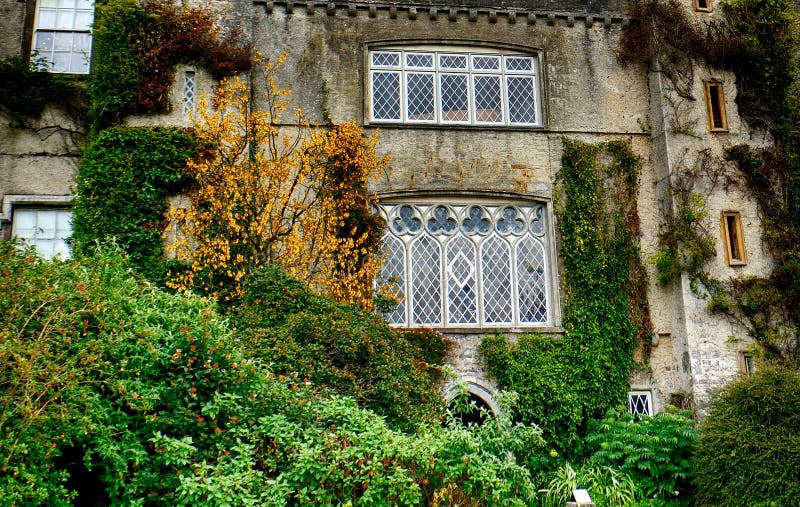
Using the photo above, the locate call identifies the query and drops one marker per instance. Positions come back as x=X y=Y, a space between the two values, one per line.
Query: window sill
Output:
x=490 y=330
x=482 y=128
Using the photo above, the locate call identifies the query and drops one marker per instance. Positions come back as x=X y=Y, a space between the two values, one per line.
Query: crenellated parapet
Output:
x=514 y=12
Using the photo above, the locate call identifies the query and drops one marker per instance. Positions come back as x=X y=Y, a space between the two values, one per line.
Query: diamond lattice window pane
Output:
x=519 y=64
x=426 y=282
x=456 y=267
x=461 y=284
x=488 y=99
x=521 y=99
x=188 y=92
x=453 y=62
x=386 y=95
x=486 y=62
x=454 y=91
x=383 y=59
x=392 y=277
x=496 y=276
x=419 y=60
x=531 y=285
x=419 y=90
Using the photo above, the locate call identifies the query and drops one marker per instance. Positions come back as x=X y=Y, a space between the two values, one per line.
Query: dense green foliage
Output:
x=350 y=350
x=126 y=175
x=25 y=89
x=136 y=47
x=563 y=382
x=152 y=392
x=749 y=448
x=655 y=452
x=606 y=486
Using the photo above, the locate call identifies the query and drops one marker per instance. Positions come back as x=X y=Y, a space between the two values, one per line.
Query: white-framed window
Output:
x=463 y=265
x=640 y=402
x=62 y=38
x=47 y=229
x=454 y=87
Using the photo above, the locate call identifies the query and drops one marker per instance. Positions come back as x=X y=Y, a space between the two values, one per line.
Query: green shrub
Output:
x=748 y=453
x=125 y=177
x=351 y=351
x=655 y=452
x=606 y=486
x=151 y=390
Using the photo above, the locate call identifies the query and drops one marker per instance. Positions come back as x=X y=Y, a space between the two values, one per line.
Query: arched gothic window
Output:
x=467 y=265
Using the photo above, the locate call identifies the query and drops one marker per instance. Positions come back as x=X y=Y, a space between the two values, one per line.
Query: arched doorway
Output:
x=479 y=403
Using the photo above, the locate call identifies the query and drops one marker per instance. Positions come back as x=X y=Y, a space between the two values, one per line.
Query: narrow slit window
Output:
x=703 y=5
x=715 y=105
x=733 y=238
x=747 y=363
x=188 y=92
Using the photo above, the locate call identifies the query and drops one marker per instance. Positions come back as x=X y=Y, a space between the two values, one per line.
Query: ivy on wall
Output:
x=758 y=41
x=25 y=90
x=125 y=177
x=136 y=48
x=563 y=382
x=127 y=173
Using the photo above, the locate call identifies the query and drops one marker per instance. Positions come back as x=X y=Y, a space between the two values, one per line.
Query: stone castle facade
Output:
x=472 y=99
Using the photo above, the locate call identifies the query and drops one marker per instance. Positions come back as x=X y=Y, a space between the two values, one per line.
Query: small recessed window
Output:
x=703 y=5
x=188 y=92
x=715 y=106
x=747 y=363
x=46 y=229
x=733 y=238
x=640 y=403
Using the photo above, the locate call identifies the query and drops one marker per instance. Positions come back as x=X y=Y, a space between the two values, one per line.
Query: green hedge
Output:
x=749 y=448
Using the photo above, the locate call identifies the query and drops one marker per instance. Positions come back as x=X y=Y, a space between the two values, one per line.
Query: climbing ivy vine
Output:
x=758 y=41
x=564 y=381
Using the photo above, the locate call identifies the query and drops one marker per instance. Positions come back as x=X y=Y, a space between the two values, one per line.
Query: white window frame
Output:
x=55 y=239
x=45 y=28
x=640 y=394
x=528 y=302
x=504 y=73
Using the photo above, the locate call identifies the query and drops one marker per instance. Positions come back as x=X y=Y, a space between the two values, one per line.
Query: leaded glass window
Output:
x=467 y=265
x=62 y=38
x=640 y=403
x=446 y=87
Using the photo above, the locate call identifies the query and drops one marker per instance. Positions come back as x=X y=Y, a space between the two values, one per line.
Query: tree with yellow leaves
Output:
x=266 y=193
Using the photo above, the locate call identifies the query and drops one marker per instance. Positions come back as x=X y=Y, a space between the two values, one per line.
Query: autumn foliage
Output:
x=268 y=193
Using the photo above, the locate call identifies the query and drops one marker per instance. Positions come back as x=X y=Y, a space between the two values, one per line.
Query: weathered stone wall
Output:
x=585 y=94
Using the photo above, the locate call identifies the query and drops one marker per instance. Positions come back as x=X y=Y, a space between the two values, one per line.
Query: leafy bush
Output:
x=655 y=452
x=151 y=394
x=125 y=177
x=351 y=351
x=606 y=486
x=748 y=453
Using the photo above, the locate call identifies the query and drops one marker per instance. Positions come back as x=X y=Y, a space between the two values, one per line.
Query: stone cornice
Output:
x=531 y=12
